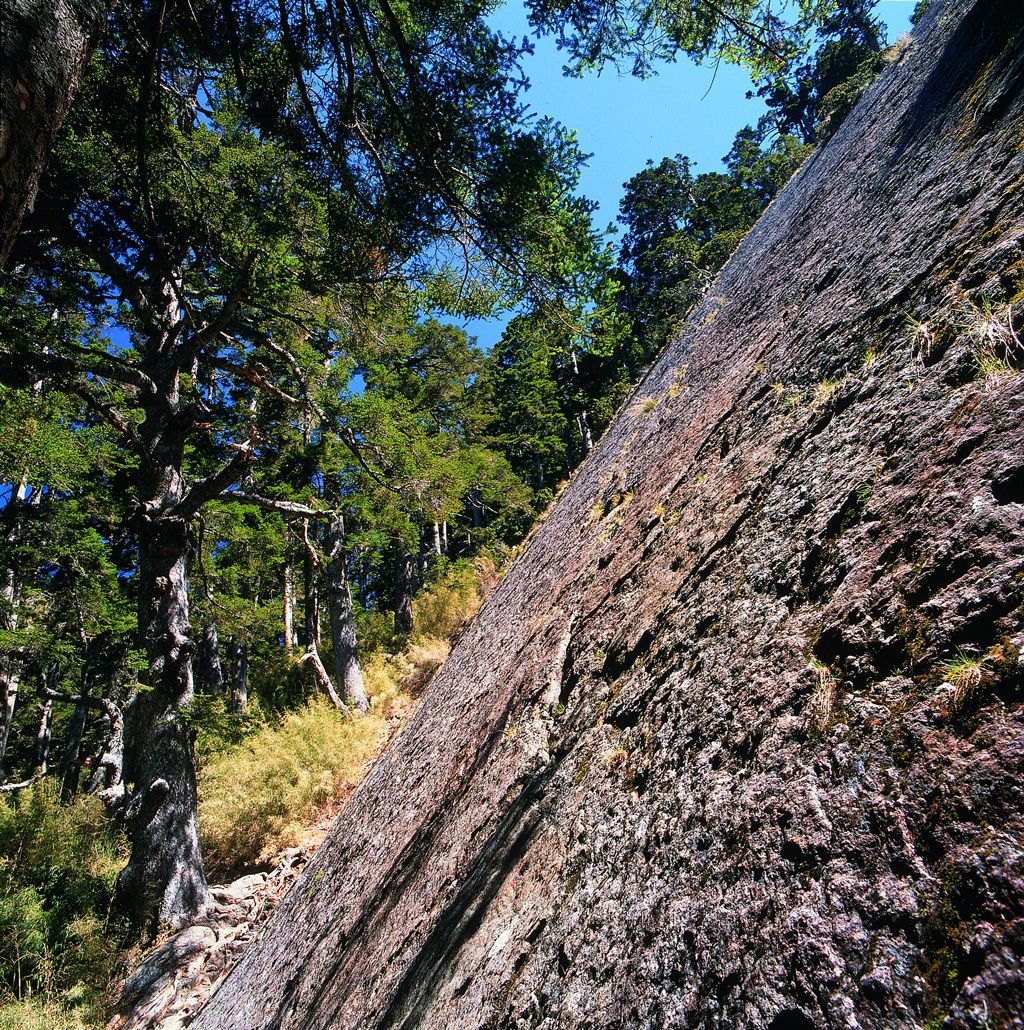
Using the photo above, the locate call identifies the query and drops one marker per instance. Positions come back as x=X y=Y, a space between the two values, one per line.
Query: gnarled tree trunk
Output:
x=44 y=47
x=162 y=816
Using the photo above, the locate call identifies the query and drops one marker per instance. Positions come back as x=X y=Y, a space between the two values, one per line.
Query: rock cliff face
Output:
x=737 y=742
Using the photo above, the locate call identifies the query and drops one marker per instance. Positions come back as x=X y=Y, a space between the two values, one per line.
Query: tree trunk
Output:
x=44 y=47
x=161 y=816
x=581 y=418
x=585 y=435
x=110 y=756
x=570 y=451
x=10 y=598
x=630 y=361
x=239 y=676
x=343 y=628
x=310 y=601
x=291 y=638
x=71 y=762
x=311 y=621
x=403 y=588
x=44 y=736
x=45 y=732
x=211 y=675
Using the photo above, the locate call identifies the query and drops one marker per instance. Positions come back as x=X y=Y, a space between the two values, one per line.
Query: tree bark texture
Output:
x=44 y=47
x=162 y=816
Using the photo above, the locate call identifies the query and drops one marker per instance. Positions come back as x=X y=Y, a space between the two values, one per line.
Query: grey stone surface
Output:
x=694 y=764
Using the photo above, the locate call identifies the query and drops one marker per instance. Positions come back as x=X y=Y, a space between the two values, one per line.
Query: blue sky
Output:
x=623 y=122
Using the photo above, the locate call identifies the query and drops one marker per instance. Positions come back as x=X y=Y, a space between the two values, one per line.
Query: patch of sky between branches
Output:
x=624 y=122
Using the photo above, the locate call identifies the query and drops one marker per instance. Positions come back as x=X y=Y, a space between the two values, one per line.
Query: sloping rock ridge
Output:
x=737 y=742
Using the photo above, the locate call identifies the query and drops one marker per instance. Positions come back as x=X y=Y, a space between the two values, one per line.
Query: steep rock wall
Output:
x=702 y=760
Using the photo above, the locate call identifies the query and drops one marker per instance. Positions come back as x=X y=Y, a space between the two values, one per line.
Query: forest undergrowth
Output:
x=268 y=781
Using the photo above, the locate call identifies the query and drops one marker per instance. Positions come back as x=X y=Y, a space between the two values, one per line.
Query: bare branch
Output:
x=205 y=333
x=322 y=679
x=257 y=380
x=281 y=507
x=9 y=788
x=118 y=421
x=214 y=486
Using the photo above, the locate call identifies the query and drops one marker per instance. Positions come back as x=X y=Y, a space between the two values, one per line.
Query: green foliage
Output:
x=681 y=227
x=847 y=44
x=746 y=32
x=919 y=8
x=840 y=101
x=56 y=882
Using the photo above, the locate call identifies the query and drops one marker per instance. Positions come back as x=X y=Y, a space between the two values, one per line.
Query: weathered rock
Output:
x=703 y=759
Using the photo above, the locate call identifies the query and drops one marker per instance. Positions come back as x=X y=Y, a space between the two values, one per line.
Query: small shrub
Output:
x=57 y=872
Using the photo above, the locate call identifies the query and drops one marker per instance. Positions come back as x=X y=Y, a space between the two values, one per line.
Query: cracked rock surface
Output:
x=737 y=742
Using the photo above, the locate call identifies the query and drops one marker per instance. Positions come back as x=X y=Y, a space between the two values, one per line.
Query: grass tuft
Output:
x=826 y=691
x=964 y=674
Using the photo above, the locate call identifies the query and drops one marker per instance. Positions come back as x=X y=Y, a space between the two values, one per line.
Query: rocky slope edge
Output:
x=737 y=742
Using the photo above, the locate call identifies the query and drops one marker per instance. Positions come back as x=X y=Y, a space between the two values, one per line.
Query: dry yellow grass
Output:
x=257 y=798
